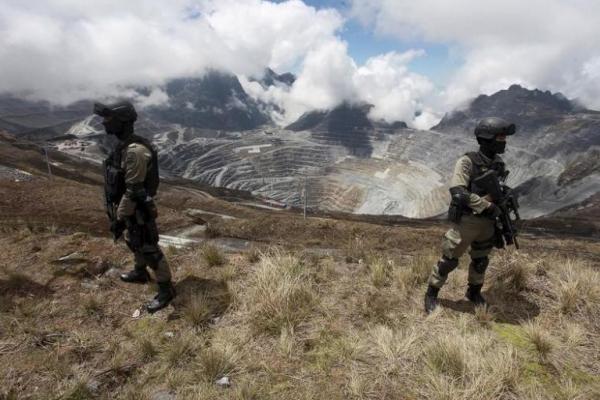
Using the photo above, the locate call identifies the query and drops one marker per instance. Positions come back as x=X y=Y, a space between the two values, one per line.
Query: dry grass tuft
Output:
x=147 y=349
x=512 y=273
x=212 y=255
x=484 y=316
x=357 y=249
x=196 y=309
x=92 y=305
x=539 y=338
x=577 y=287
x=416 y=272
x=216 y=362
x=280 y=293
x=447 y=356
x=180 y=350
x=252 y=255
x=380 y=271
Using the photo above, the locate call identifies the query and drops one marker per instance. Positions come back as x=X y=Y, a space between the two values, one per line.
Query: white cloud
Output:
x=550 y=44
x=64 y=50
x=330 y=76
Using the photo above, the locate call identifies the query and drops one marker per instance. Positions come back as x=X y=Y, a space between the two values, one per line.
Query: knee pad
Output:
x=480 y=264
x=447 y=265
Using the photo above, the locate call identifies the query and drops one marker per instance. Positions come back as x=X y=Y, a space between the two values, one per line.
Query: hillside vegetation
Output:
x=306 y=309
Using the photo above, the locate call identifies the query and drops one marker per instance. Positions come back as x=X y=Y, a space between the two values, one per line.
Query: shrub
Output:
x=212 y=255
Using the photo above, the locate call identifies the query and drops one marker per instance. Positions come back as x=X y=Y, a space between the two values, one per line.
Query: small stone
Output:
x=93 y=386
x=224 y=382
x=89 y=286
x=112 y=273
x=169 y=335
x=136 y=314
x=163 y=395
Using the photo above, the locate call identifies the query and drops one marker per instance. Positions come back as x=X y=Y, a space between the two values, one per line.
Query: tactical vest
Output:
x=114 y=174
x=480 y=166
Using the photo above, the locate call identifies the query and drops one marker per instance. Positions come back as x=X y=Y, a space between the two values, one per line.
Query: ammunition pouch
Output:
x=136 y=192
x=459 y=203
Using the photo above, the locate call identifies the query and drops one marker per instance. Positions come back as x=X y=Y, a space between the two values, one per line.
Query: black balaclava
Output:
x=114 y=126
x=491 y=147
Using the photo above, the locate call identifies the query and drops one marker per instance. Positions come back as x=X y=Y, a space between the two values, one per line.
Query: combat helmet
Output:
x=118 y=118
x=490 y=127
x=122 y=110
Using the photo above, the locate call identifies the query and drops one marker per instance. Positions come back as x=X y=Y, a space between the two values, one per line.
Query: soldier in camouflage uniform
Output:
x=473 y=216
x=131 y=180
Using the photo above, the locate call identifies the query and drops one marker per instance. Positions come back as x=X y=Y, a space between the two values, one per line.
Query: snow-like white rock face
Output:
x=407 y=173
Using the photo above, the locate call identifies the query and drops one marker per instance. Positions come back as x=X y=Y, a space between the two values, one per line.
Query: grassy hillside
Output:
x=320 y=308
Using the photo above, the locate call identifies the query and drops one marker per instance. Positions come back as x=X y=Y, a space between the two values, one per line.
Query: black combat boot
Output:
x=473 y=294
x=431 y=299
x=166 y=293
x=137 y=275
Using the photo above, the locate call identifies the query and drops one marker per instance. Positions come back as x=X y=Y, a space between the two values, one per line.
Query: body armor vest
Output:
x=481 y=166
x=114 y=174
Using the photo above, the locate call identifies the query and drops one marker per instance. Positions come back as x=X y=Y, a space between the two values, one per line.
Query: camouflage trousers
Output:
x=150 y=255
x=474 y=232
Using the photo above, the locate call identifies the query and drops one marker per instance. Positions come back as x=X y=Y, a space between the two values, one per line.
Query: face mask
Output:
x=492 y=147
x=499 y=147
x=112 y=126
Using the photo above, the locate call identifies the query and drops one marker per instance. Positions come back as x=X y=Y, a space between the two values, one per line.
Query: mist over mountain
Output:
x=213 y=101
x=271 y=78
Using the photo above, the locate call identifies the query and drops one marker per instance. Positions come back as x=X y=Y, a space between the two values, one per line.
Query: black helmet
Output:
x=489 y=128
x=122 y=110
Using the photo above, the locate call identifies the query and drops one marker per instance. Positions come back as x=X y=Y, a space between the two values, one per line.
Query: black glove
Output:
x=117 y=227
x=492 y=212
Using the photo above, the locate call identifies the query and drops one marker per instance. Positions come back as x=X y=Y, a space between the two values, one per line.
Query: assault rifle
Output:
x=111 y=204
x=505 y=199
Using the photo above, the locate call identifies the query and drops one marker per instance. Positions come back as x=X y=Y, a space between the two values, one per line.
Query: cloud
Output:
x=67 y=50
x=549 y=44
x=330 y=76
x=64 y=50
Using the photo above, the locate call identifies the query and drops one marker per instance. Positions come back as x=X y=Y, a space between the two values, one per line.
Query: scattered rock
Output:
x=112 y=273
x=169 y=335
x=100 y=267
x=73 y=258
x=163 y=395
x=89 y=285
x=136 y=314
x=93 y=386
x=224 y=381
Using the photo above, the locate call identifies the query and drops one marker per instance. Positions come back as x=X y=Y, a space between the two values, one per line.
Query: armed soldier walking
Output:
x=472 y=212
x=131 y=180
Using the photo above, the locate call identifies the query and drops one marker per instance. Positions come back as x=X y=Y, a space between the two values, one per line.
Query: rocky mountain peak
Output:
x=529 y=109
x=271 y=78
x=344 y=118
x=214 y=101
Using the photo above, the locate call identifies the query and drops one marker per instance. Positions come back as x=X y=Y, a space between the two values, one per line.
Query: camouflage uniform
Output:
x=474 y=229
x=131 y=179
x=135 y=163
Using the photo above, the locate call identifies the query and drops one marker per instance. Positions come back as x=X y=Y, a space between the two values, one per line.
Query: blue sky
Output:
x=437 y=64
